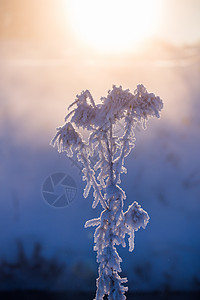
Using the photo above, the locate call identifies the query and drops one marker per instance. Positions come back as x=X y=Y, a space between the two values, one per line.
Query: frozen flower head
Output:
x=145 y=105
x=84 y=114
x=116 y=103
x=67 y=139
x=121 y=103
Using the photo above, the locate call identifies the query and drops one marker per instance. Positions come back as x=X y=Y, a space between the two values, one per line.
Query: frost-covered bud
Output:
x=136 y=217
x=66 y=139
x=116 y=103
x=84 y=115
x=145 y=104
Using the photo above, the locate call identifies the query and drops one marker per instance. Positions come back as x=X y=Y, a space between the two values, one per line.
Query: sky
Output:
x=180 y=21
x=72 y=21
x=61 y=47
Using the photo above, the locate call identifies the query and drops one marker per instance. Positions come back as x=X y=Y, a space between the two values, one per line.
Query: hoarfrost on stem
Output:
x=104 y=176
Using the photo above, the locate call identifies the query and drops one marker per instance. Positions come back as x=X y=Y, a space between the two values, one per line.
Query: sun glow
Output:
x=113 y=25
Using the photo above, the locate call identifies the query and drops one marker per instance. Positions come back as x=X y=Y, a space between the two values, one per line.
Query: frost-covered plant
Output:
x=120 y=106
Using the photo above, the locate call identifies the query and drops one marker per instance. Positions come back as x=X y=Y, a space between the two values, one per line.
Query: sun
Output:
x=113 y=25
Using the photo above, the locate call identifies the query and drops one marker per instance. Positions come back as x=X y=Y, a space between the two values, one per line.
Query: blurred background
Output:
x=50 y=50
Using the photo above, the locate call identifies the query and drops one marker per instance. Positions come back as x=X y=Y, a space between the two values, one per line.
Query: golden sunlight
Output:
x=113 y=25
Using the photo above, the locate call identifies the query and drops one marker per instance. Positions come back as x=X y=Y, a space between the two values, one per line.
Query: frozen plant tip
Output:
x=110 y=149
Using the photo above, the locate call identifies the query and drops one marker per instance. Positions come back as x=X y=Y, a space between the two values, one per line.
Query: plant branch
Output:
x=91 y=175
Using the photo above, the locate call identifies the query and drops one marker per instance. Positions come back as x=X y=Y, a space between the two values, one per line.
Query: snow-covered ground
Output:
x=46 y=247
